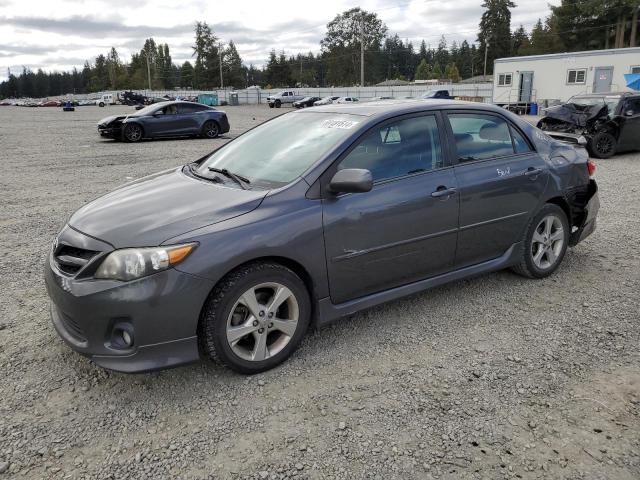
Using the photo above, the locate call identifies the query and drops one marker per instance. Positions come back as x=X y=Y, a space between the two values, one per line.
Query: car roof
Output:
x=399 y=107
x=179 y=102
x=608 y=94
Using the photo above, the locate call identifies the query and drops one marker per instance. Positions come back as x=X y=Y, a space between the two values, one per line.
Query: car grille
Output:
x=72 y=327
x=71 y=259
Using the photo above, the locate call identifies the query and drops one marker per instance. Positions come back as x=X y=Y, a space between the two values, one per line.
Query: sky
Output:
x=61 y=34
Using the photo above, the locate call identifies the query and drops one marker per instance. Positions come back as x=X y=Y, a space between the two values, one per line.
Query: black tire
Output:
x=603 y=145
x=271 y=105
x=278 y=104
x=101 y=104
x=527 y=266
x=210 y=129
x=212 y=328
x=132 y=133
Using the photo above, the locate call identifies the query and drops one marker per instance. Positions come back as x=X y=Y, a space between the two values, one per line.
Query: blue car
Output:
x=166 y=119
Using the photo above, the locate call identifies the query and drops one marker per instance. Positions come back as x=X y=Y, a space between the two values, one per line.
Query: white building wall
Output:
x=550 y=73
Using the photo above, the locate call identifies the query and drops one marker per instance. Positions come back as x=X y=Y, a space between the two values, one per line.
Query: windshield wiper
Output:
x=239 y=179
x=193 y=169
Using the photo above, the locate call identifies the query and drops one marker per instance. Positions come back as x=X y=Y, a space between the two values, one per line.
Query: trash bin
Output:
x=233 y=99
x=209 y=99
x=533 y=109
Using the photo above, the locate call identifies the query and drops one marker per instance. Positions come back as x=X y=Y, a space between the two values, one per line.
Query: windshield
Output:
x=279 y=151
x=611 y=101
x=430 y=94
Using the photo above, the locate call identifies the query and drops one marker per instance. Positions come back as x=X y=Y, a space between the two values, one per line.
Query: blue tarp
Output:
x=633 y=80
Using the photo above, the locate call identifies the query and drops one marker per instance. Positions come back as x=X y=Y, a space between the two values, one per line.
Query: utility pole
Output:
x=148 y=71
x=361 y=49
x=486 y=49
x=220 y=57
x=300 y=70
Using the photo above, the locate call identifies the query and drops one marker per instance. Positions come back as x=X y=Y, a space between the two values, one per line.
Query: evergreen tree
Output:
x=495 y=29
x=341 y=45
x=422 y=72
x=186 y=75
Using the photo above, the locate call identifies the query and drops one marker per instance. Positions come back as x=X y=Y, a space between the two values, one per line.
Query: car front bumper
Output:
x=160 y=312
x=110 y=132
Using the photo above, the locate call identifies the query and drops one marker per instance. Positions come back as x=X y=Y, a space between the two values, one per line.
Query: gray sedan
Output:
x=308 y=218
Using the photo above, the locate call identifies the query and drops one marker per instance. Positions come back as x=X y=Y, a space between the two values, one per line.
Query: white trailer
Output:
x=554 y=78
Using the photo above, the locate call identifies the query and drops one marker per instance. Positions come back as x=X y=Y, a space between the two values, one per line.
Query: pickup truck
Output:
x=286 y=96
x=442 y=94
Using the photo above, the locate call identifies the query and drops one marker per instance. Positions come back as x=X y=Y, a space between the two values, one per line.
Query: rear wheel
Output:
x=255 y=318
x=132 y=132
x=602 y=145
x=210 y=129
x=545 y=243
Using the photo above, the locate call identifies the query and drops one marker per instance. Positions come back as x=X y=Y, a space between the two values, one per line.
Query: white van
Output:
x=105 y=99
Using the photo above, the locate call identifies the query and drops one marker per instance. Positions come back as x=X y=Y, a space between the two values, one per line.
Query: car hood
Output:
x=113 y=118
x=579 y=115
x=153 y=209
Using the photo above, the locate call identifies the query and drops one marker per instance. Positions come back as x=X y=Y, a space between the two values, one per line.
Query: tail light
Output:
x=591 y=167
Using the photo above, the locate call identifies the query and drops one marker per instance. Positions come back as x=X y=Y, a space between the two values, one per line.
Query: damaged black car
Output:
x=606 y=123
x=166 y=119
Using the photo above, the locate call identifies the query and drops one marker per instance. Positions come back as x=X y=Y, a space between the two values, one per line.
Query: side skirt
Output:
x=328 y=312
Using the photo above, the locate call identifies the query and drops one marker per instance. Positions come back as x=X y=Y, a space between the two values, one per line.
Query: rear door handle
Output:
x=443 y=191
x=532 y=172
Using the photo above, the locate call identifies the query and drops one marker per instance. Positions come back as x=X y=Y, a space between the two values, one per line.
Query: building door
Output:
x=602 y=79
x=526 y=87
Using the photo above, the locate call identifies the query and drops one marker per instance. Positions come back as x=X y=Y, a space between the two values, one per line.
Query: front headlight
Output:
x=131 y=263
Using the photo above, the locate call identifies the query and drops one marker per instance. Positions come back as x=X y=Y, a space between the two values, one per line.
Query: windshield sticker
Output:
x=345 y=124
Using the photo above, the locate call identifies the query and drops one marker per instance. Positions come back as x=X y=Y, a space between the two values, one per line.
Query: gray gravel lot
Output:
x=495 y=377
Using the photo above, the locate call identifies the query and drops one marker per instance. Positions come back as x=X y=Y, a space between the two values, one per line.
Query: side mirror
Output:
x=629 y=113
x=159 y=113
x=351 y=180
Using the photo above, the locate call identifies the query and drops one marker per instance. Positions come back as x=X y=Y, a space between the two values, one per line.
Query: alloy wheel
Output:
x=547 y=242
x=133 y=133
x=211 y=130
x=262 y=321
x=604 y=145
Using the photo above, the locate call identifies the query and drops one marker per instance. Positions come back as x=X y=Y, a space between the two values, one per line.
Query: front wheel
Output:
x=602 y=145
x=271 y=105
x=278 y=104
x=101 y=104
x=132 y=132
x=210 y=129
x=545 y=243
x=255 y=318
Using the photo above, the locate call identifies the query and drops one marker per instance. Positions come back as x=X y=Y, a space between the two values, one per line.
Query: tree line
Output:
x=574 y=25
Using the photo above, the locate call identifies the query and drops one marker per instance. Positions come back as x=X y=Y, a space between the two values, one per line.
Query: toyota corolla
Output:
x=307 y=218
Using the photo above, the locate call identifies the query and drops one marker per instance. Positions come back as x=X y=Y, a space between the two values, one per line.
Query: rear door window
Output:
x=520 y=144
x=480 y=136
x=189 y=108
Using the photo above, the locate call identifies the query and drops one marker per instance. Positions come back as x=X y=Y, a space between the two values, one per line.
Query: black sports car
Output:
x=306 y=102
x=166 y=119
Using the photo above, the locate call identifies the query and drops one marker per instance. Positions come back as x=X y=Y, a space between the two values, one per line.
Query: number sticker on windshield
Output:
x=345 y=124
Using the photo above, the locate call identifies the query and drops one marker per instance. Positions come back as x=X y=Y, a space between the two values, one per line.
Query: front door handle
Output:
x=532 y=172
x=443 y=191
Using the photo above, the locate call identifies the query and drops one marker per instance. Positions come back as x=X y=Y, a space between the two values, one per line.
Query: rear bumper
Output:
x=224 y=124
x=591 y=209
x=160 y=311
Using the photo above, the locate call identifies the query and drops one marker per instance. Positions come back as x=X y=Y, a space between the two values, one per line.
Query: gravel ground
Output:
x=495 y=377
